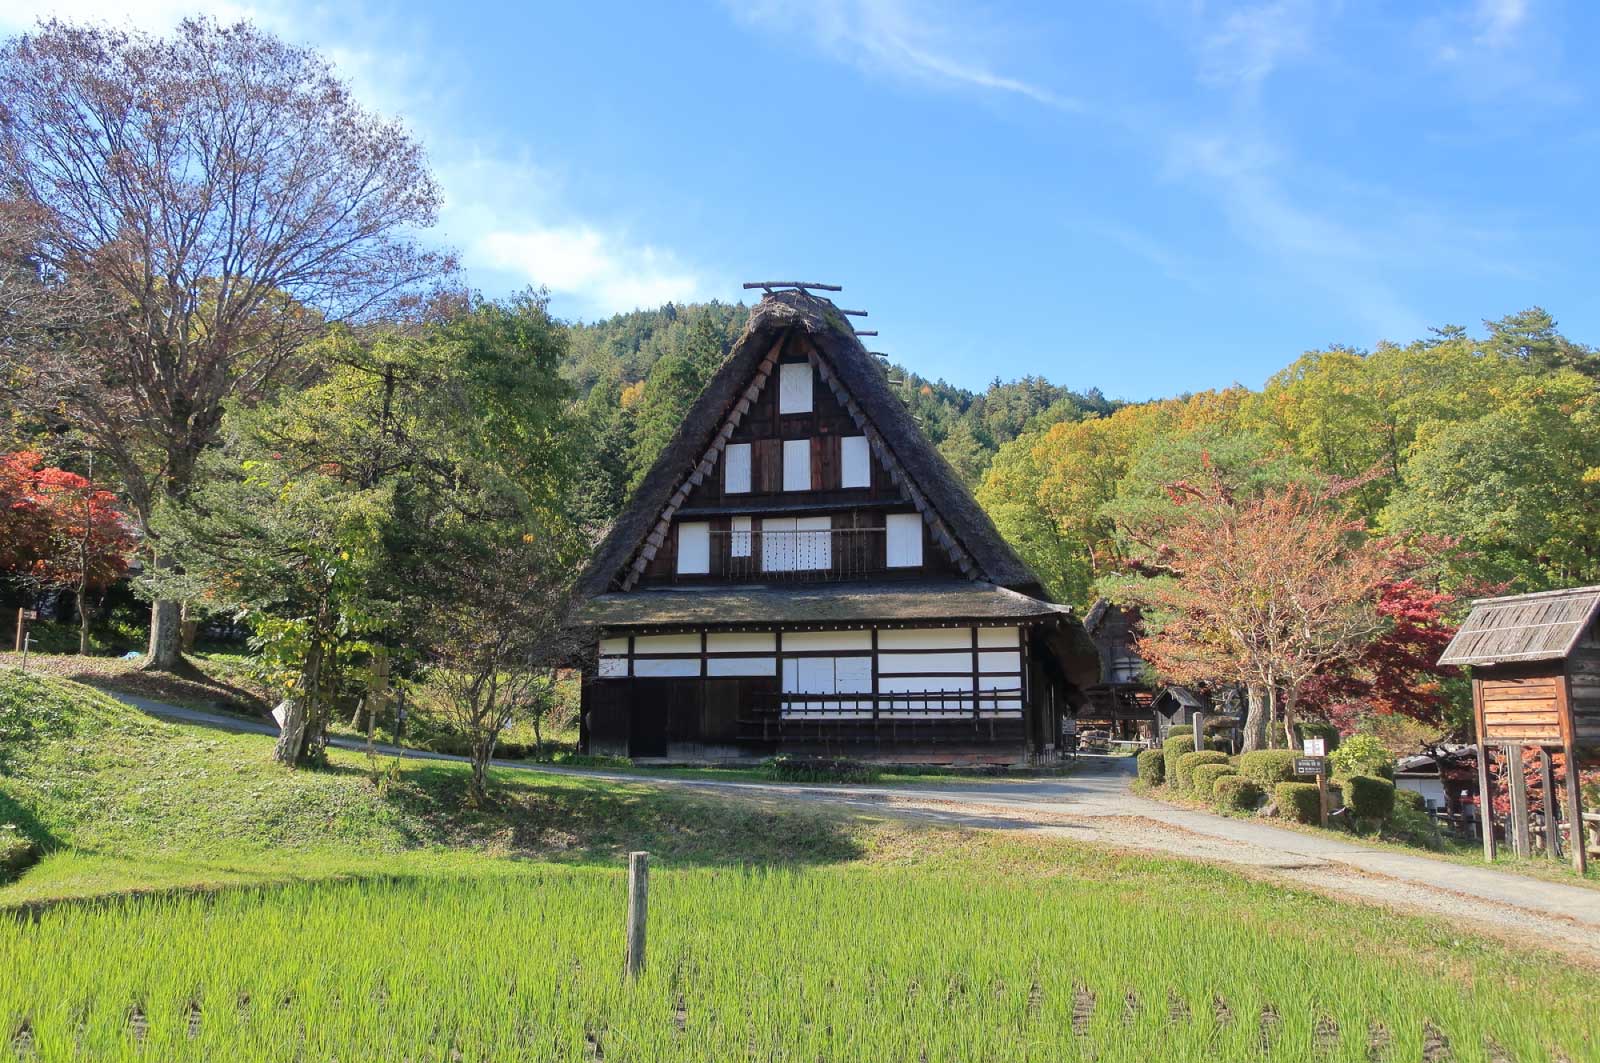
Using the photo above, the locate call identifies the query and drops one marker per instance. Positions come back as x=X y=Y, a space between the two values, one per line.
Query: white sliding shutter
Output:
x=736 y=470
x=814 y=543
x=777 y=544
x=694 y=548
x=794 y=387
x=797 y=464
x=855 y=462
x=740 y=540
x=904 y=534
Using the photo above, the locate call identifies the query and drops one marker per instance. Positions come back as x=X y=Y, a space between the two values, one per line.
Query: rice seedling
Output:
x=833 y=963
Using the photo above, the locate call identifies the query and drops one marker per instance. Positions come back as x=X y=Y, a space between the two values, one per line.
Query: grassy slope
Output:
x=126 y=803
x=121 y=801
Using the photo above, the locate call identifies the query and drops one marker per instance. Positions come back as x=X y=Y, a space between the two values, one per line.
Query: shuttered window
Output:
x=904 y=534
x=794 y=387
x=736 y=469
x=855 y=462
x=694 y=548
x=740 y=539
x=797 y=464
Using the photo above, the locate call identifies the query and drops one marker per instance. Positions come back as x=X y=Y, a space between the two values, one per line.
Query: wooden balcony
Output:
x=806 y=556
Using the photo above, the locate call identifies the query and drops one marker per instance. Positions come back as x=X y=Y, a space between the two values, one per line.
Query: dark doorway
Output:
x=648 y=716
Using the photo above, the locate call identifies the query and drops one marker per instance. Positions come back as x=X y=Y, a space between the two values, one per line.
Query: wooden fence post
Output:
x=638 y=910
x=1520 y=843
x=1485 y=798
x=1580 y=855
x=22 y=628
x=1552 y=806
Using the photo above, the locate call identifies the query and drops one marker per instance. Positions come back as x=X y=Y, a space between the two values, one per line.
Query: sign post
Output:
x=23 y=616
x=1318 y=766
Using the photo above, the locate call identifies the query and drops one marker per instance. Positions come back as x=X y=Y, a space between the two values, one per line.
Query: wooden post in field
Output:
x=638 y=910
x=1552 y=807
x=1199 y=731
x=1520 y=842
x=22 y=627
x=1485 y=800
x=1580 y=856
x=1322 y=793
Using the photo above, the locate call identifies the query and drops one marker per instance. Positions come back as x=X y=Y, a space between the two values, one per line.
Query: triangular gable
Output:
x=954 y=518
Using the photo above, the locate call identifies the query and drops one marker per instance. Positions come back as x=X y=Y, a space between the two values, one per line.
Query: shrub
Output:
x=1362 y=755
x=1152 y=767
x=1178 y=742
x=1369 y=798
x=1410 y=799
x=1204 y=777
x=1190 y=761
x=17 y=853
x=1298 y=801
x=1235 y=793
x=1317 y=729
x=819 y=769
x=1269 y=767
x=1410 y=824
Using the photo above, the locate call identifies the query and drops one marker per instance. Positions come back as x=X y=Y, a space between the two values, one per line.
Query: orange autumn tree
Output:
x=1265 y=591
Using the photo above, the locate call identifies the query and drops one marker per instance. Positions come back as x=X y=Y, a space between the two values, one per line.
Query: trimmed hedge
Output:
x=1410 y=799
x=1369 y=797
x=1299 y=801
x=1176 y=745
x=1152 y=767
x=1269 y=767
x=1187 y=762
x=787 y=768
x=1204 y=776
x=1235 y=793
x=1317 y=729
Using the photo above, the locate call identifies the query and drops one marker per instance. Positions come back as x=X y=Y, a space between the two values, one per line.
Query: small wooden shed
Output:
x=1535 y=661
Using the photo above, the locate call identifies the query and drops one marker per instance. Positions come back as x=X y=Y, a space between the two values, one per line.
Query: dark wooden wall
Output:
x=1583 y=675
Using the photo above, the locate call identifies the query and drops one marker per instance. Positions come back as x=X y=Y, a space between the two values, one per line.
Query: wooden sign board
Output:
x=1309 y=765
x=28 y=614
x=1315 y=747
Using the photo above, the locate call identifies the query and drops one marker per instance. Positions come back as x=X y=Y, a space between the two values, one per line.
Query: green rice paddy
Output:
x=807 y=964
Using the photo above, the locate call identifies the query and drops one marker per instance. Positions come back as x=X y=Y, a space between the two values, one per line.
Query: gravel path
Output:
x=1095 y=804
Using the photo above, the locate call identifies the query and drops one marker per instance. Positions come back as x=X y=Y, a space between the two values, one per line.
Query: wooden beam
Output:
x=1552 y=807
x=792 y=284
x=1521 y=843
x=1485 y=785
x=1580 y=857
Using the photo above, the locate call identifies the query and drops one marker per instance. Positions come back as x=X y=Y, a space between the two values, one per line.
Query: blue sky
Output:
x=1151 y=197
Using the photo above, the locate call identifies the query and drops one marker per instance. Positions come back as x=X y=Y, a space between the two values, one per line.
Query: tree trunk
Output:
x=83 y=620
x=376 y=698
x=302 y=723
x=188 y=629
x=1256 y=720
x=164 y=653
x=293 y=733
x=1290 y=719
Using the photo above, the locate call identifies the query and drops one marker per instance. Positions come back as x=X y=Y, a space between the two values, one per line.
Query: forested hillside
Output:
x=1488 y=439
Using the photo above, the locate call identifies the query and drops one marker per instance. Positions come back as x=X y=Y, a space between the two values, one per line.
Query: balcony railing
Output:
x=799 y=556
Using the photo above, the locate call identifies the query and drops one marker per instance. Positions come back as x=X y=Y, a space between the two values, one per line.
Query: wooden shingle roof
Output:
x=1523 y=627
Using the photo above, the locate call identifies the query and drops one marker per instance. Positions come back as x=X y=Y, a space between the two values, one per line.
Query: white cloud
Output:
x=1499 y=20
x=1251 y=43
x=904 y=38
x=600 y=269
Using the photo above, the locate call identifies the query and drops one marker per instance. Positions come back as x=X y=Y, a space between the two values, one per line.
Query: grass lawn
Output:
x=390 y=922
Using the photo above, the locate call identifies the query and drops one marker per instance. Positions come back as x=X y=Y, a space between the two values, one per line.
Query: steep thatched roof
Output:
x=825 y=603
x=1523 y=627
x=830 y=332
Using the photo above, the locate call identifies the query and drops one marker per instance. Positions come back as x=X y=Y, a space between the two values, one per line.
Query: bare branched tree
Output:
x=225 y=197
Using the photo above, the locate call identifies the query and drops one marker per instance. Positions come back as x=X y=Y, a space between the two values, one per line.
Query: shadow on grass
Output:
x=587 y=821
